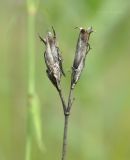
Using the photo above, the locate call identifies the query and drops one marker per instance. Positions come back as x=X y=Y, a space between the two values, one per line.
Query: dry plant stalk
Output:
x=53 y=60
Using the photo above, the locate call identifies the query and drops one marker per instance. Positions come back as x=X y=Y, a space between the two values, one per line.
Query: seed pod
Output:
x=55 y=81
x=57 y=53
x=82 y=49
x=52 y=59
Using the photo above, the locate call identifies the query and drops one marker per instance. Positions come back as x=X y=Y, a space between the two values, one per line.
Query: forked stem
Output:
x=66 y=110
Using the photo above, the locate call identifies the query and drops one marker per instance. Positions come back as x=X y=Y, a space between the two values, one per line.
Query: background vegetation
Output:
x=99 y=128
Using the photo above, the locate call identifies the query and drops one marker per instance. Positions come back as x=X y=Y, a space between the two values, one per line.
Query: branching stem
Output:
x=66 y=109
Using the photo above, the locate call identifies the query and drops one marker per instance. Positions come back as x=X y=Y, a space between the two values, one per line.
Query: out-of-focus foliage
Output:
x=99 y=127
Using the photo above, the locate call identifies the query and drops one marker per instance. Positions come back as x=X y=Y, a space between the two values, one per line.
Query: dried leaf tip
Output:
x=82 y=49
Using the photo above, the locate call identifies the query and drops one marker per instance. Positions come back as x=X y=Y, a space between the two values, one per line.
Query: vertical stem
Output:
x=28 y=149
x=28 y=138
x=66 y=120
x=31 y=45
x=64 y=149
x=31 y=8
x=31 y=52
x=70 y=101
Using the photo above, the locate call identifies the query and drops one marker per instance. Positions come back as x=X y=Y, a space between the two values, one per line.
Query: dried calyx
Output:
x=82 y=49
x=53 y=59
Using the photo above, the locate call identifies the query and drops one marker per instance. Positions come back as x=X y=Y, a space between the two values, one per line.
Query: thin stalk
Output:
x=70 y=100
x=66 y=120
x=31 y=70
x=28 y=148
x=64 y=148
x=28 y=138
x=31 y=52
x=62 y=100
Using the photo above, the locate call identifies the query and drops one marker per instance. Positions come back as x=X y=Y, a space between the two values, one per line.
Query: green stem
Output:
x=31 y=53
x=29 y=137
x=31 y=8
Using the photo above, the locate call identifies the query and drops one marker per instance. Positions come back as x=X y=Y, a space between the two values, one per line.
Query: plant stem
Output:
x=31 y=9
x=28 y=148
x=62 y=100
x=70 y=100
x=66 y=120
x=29 y=138
x=64 y=149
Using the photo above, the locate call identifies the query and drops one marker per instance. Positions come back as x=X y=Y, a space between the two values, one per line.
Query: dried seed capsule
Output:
x=60 y=61
x=52 y=60
x=57 y=52
x=53 y=78
x=82 y=49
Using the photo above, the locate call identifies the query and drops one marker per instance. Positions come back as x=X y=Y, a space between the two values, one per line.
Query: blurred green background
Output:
x=99 y=127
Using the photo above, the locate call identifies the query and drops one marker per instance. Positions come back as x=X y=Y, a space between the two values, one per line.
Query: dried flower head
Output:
x=53 y=59
x=82 y=49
